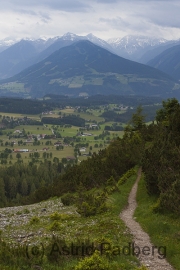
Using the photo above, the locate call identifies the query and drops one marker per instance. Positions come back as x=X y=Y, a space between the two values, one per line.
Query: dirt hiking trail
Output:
x=153 y=257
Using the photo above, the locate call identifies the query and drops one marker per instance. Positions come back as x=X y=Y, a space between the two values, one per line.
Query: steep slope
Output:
x=18 y=56
x=86 y=67
x=168 y=61
x=6 y=43
x=13 y=55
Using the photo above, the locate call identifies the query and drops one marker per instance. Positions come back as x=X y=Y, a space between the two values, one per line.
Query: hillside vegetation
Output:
x=97 y=189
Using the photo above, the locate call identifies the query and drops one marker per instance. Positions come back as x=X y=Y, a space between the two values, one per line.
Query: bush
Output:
x=68 y=199
x=53 y=250
x=111 y=185
x=26 y=211
x=142 y=268
x=18 y=213
x=91 y=204
x=87 y=210
x=125 y=176
x=34 y=220
x=57 y=216
x=95 y=262
x=55 y=226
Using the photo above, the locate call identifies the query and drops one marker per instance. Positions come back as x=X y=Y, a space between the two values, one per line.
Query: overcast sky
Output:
x=104 y=18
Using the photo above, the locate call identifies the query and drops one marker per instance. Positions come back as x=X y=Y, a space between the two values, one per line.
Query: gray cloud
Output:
x=106 y=1
x=116 y=23
x=64 y=5
x=104 y=18
x=164 y=15
x=28 y=12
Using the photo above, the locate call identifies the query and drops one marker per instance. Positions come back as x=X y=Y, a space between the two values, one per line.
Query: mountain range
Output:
x=16 y=55
x=24 y=53
x=84 y=68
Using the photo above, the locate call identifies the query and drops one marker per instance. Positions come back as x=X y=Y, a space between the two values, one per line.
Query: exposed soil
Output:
x=153 y=257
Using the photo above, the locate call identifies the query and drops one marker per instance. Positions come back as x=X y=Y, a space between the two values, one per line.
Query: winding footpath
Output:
x=153 y=257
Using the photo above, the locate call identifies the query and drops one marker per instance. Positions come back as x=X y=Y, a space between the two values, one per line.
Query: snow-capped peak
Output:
x=141 y=41
x=69 y=36
x=131 y=44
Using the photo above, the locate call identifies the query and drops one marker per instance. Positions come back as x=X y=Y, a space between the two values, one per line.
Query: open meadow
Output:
x=36 y=141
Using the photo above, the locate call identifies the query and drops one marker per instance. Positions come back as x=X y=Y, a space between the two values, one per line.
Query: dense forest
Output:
x=65 y=120
x=30 y=106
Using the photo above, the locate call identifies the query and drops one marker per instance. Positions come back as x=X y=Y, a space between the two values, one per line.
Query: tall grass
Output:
x=163 y=229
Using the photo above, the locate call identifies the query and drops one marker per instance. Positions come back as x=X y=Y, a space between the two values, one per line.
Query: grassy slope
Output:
x=104 y=226
x=164 y=230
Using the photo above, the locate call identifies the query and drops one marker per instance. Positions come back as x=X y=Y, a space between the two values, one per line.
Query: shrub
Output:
x=86 y=210
x=111 y=185
x=18 y=213
x=53 y=249
x=68 y=199
x=55 y=226
x=34 y=220
x=57 y=216
x=26 y=211
x=142 y=268
x=156 y=208
x=95 y=262
x=125 y=176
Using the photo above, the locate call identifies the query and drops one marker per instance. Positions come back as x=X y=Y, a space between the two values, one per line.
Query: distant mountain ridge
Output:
x=19 y=56
x=85 y=68
x=168 y=62
x=136 y=47
x=132 y=43
x=6 y=43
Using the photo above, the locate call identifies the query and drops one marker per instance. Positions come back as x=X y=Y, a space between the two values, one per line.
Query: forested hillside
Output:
x=154 y=146
x=91 y=189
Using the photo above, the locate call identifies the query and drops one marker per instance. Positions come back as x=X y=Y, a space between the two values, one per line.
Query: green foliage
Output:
x=126 y=175
x=18 y=213
x=69 y=119
x=170 y=200
x=53 y=249
x=34 y=220
x=89 y=204
x=156 y=208
x=26 y=211
x=21 y=180
x=111 y=185
x=138 y=119
x=95 y=262
x=141 y=268
x=162 y=227
x=161 y=161
x=55 y=226
x=86 y=210
x=13 y=254
x=68 y=199
x=56 y=216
